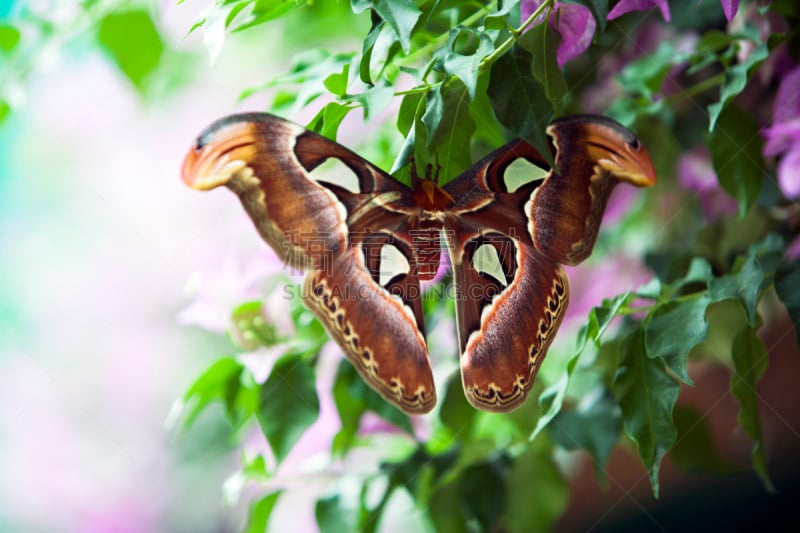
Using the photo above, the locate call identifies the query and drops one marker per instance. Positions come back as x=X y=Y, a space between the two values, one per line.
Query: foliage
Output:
x=460 y=77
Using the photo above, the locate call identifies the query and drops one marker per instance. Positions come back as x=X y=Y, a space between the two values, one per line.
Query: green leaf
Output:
x=595 y=425
x=736 y=148
x=409 y=122
x=552 y=398
x=536 y=491
x=331 y=517
x=336 y=83
x=260 y=511
x=456 y=413
x=446 y=511
x=519 y=100
x=542 y=42
x=642 y=80
x=373 y=100
x=329 y=118
x=750 y=363
x=401 y=15
x=449 y=127
x=264 y=11
x=364 y=70
x=646 y=395
x=466 y=66
x=736 y=78
x=5 y=110
x=288 y=404
x=353 y=398
x=674 y=328
x=499 y=20
x=787 y=280
x=751 y=275
x=220 y=382
x=133 y=42
x=694 y=449
x=483 y=492
x=9 y=38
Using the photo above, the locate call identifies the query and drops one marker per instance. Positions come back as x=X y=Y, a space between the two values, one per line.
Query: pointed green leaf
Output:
x=647 y=394
x=456 y=413
x=750 y=363
x=401 y=15
x=736 y=148
x=537 y=493
x=260 y=512
x=467 y=66
x=288 y=404
x=327 y=121
x=336 y=83
x=264 y=11
x=674 y=328
x=519 y=100
x=364 y=71
x=595 y=425
x=751 y=275
x=449 y=126
x=220 y=382
x=133 y=42
x=736 y=78
x=483 y=491
x=542 y=42
x=552 y=398
x=353 y=398
x=373 y=100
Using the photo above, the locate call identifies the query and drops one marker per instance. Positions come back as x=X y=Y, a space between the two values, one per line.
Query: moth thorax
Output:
x=430 y=197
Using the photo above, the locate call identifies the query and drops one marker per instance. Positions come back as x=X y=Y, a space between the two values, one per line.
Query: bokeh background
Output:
x=99 y=240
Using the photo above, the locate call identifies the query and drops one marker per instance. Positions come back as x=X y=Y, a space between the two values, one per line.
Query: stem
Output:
x=515 y=33
x=697 y=88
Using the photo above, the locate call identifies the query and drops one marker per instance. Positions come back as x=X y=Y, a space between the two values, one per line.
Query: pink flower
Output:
x=730 y=7
x=697 y=175
x=441 y=272
x=574 y=22
x=626 y=6
x=218 y=291
x=783 y=137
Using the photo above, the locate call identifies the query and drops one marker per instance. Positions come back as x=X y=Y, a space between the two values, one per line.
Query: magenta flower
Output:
x=730 y=7
x=696 y=174
x=573 y=22
x=783 y=137
x=627 y=6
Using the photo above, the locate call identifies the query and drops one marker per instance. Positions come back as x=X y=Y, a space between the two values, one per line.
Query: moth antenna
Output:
x=414 y=176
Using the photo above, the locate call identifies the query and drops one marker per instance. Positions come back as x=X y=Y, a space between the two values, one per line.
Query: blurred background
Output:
x=99 y=239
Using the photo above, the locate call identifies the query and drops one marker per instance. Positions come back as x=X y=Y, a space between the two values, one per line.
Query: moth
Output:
x=367 y=242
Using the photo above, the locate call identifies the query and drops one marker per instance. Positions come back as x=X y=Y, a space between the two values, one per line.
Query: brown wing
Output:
x=507 y=243
x=374 y=312
x=371 y=307
x=510 y=302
